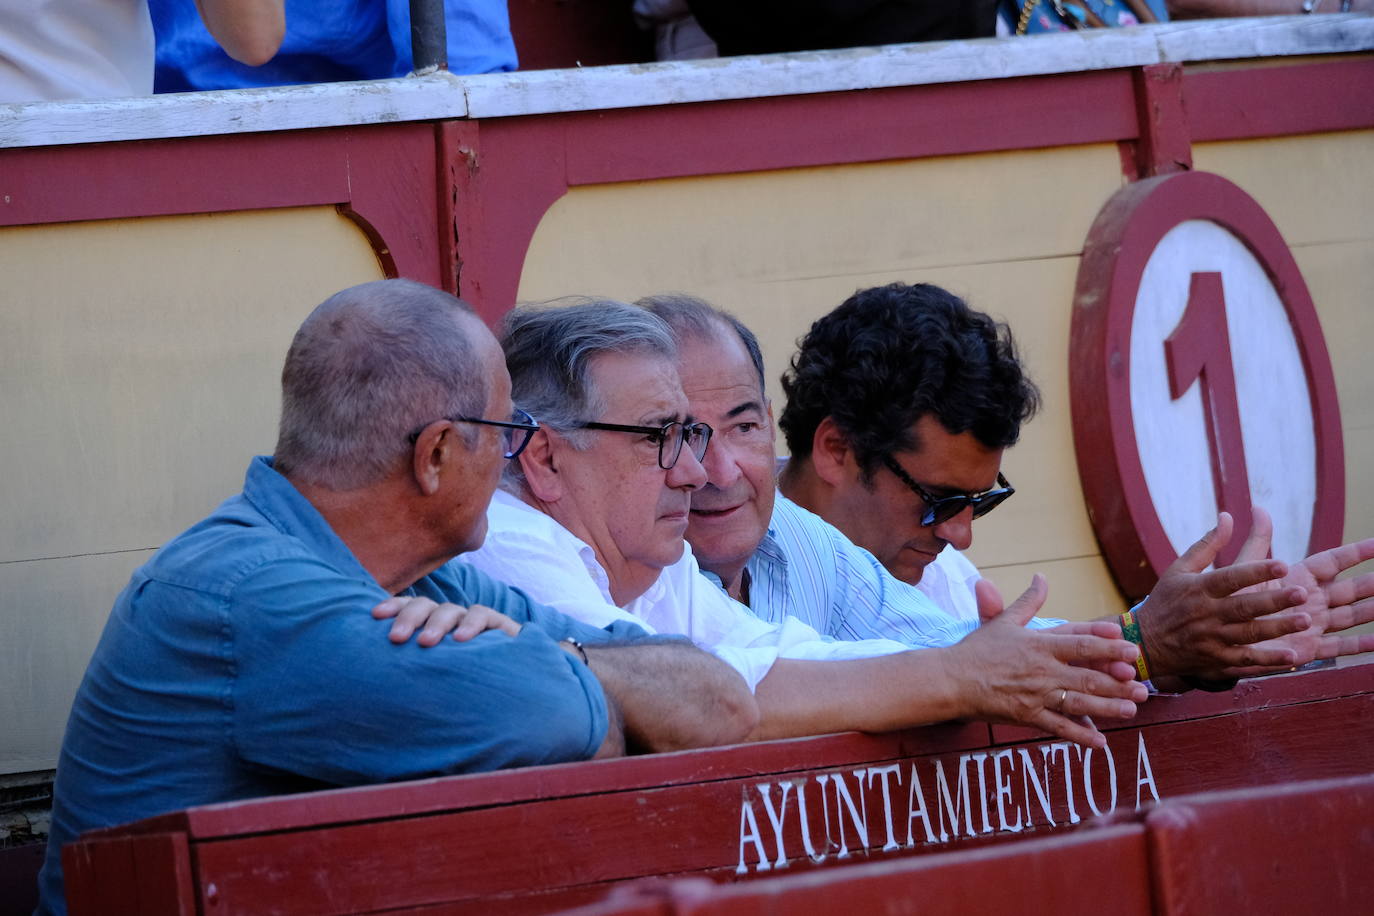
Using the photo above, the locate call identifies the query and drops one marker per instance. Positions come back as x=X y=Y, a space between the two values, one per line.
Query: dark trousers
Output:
x=769 y=26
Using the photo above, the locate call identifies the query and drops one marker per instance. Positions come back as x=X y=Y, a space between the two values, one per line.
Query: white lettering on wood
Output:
x=1003 y=787
x=917 y=794
x=1042 y=789
x=1088 y=792
x=1142 y=763
x=858 y=814
x=952 y=806
x=749 y=832
x=884 y=772
x=776 y=818
x=1034 y=805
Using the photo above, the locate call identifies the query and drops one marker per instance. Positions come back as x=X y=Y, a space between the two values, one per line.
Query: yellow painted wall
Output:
x=139 y=367
x=1005 y=230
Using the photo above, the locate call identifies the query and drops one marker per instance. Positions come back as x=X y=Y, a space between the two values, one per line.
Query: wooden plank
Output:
x=432 y=796
x=148 y=875
x=1292 y=849
x=232 y=111
x=1049 y=876
x=762 y=822
x=1164 y=144
x=1263 y=102
x=498 y=95
x=825 y=129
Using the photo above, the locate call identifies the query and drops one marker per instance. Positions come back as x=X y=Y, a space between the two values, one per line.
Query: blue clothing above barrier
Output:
x=327 y=42
x=242 y=660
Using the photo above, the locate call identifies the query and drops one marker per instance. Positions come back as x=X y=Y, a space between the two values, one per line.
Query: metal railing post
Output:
x=428 y=36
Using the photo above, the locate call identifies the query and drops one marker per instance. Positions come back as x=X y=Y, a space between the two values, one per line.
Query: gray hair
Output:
x=549 y=350
x=369 y=366
x=692 y=318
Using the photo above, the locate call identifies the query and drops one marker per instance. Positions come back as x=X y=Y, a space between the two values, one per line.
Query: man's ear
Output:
x=832 y=457
x=539 y=462
x=431 y=452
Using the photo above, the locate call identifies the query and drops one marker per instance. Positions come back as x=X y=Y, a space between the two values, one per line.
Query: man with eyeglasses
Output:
x=244 y=659
x=591 y=521
x=900 y=403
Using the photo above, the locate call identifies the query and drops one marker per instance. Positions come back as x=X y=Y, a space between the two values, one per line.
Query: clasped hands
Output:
x=1257 y=616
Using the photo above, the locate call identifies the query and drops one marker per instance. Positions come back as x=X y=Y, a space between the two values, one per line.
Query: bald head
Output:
x=369 y=366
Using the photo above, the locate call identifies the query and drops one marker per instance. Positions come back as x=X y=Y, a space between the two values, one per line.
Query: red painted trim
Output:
x=1164 y=145
x=508 y=172
x=848 y=127
x=393 y=195
x=383 y=178
x=1250 y=694
x=1253 y=102
x=506 y=175
x=1120 y=243
x=569 y=779
x=165 y=177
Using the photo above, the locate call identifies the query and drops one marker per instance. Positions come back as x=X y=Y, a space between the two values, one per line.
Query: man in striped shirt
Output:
x=769 y=552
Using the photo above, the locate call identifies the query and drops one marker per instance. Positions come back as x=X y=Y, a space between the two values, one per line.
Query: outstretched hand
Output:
x=437 y=620
x=1200 y=622
x=1048 y=679
x=991 y=605
x=1333 y=606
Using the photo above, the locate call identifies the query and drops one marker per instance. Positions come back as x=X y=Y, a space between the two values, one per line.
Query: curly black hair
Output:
x=891 y=354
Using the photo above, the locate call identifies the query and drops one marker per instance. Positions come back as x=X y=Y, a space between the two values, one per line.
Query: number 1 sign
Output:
x=1199 y=380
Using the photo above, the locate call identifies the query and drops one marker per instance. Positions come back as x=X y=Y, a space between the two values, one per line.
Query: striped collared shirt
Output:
x=805 y=567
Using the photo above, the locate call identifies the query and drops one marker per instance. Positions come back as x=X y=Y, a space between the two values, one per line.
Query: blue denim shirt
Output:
x=242 y=660
x=327 y=42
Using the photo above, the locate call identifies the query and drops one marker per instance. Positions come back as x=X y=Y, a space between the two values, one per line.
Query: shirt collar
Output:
x=278 y=501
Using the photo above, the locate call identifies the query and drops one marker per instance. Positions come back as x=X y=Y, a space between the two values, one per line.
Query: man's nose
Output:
x=688 y=473
x=957 y=530
x=722 y=470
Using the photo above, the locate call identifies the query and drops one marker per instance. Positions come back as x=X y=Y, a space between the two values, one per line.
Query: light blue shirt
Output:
x=805 y=567
x=242 y=660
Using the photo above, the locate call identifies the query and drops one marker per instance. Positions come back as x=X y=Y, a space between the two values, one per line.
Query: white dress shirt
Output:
x=949 y=583
x=532 y=552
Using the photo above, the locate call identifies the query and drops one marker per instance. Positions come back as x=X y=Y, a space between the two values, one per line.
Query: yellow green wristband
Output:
x=1130 y=630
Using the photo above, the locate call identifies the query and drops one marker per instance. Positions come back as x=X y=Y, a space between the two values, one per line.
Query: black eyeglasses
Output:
x=670 y=438
x=516 y=432
x=943 y=508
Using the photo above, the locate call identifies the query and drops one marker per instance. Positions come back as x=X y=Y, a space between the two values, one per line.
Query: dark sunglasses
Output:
x=516 y=432
x=670 y=438
x=943 y=508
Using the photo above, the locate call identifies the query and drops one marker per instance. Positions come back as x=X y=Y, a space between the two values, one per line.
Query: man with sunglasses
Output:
x=591 y=521
x=900 y=405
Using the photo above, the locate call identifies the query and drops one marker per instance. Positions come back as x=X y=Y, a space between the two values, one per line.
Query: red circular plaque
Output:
x=1122 y=240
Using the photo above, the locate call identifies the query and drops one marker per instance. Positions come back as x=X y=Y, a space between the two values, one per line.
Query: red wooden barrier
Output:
x=1044 y=877
x=546 y=838
x=1302 y=848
